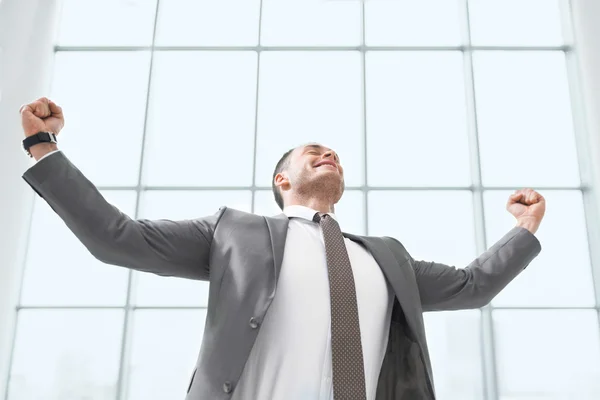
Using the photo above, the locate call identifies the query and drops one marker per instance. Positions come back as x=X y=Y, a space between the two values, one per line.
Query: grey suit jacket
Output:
x=241 y=255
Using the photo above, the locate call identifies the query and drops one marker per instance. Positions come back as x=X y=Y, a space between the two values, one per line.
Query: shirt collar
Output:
x=298 y=211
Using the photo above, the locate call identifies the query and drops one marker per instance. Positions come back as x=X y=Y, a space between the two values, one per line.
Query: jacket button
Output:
x=254 y=323
x=227 y=387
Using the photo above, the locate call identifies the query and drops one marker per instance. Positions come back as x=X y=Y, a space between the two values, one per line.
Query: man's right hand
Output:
x=43 y=115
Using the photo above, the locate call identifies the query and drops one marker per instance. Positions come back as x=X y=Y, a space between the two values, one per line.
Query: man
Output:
x=296 y=310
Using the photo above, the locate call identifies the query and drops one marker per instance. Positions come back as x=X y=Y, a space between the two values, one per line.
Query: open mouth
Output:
x=326 y=164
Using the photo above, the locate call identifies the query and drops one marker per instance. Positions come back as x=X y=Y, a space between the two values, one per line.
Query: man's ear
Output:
x=282 y=181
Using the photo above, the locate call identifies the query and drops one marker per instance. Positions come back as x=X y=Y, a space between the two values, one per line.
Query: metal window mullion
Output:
x=362 y=187
x=255 y=158
x=363 y=85
x=203 y=307
x=487 y=333
x=122 y=382
x=310 y=48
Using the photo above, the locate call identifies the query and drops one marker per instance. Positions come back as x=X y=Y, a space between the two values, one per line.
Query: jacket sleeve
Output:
x=163 y=247
x=444 y=287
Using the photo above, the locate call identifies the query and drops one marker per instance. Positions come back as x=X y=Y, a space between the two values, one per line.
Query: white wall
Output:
x=586 y=19
x=26 y=38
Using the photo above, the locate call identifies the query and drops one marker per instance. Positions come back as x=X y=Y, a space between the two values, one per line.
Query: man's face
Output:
x=313 y=169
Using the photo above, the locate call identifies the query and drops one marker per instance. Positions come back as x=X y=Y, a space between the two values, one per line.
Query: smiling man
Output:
x=297 y=310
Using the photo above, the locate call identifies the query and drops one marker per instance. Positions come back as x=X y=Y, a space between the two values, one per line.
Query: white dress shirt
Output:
x=291 y=358
x=46 y=155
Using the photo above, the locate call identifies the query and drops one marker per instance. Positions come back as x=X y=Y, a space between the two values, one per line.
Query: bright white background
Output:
x=173 y=110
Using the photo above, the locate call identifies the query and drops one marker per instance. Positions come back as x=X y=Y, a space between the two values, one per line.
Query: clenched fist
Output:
x=528 y=207
x=43 y=115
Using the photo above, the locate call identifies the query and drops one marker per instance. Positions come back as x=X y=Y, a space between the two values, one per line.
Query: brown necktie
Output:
x=346 y=347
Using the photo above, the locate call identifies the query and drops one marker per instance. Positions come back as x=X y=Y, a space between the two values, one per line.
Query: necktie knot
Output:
x=319 y=216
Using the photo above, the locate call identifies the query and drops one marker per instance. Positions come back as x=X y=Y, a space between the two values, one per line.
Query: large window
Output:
x=439 y=110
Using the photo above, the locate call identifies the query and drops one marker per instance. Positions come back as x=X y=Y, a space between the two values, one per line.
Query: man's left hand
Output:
x=528 y=207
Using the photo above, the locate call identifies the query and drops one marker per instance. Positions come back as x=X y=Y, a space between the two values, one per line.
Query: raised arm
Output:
x=444 y=287
x=163 y=247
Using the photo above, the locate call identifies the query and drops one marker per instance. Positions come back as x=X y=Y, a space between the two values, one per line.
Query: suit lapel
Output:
x=278 y=226
x=399 y=278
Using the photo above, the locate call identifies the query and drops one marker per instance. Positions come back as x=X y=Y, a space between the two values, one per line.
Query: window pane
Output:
x=310 y=97
x=562 y=274
x=515 y=22
x=156 y=371
x=201 y=119
x=522 y=102
x=454 y=340
x=61 y=271
x=264 y=203
x=189 y=204
x=208 y=23
x=412 y=23
x=103 y=95
x=107 y=23
x=157 y=290
x=417 y=127
x=349 y=210
x=432 y=225
x=547 y=354
x=66 y=354
x=310 y=22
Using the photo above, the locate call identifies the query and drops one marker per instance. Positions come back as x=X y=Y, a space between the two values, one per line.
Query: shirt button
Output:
x=254 y=323
x=227 y=387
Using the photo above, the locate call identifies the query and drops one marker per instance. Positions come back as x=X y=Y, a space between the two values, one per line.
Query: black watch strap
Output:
x=40 y=137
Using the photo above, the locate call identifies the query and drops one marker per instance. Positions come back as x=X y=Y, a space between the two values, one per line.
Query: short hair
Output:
x=282 y=164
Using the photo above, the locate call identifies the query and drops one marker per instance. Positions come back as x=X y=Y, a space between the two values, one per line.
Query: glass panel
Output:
x=310 y=22
x=412 y=23
x=562 y=274
x=454 y=340
x=156 y=371
x=515 y=22
x=157 y=290
x=103 y=131
x=349 y=210
x=310 y=97
x=61 y=271
x=107 y=23
x=416 y=116
x=433 y=225
x=264 y=203
x=201 y=119
x=208 y=23
x=66 y=355
x=548 y=354
x=522 y=102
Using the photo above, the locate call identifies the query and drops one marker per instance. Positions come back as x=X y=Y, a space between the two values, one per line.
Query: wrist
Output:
x=529 y=224
x=41 y=149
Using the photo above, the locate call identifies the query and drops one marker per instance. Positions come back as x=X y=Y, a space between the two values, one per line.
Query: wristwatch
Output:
x=40 y=137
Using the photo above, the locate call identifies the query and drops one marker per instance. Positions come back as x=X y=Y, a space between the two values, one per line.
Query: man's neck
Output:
x=319 y=205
